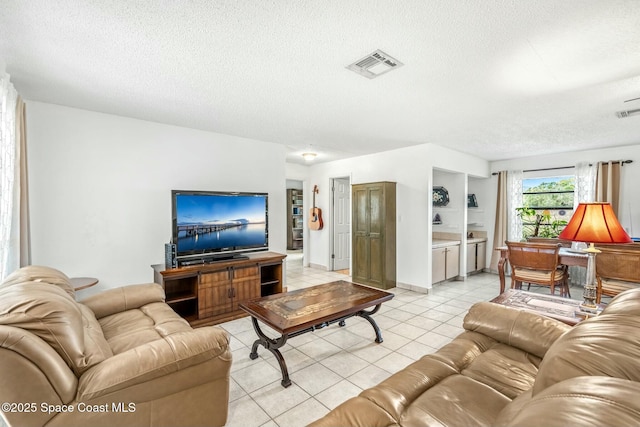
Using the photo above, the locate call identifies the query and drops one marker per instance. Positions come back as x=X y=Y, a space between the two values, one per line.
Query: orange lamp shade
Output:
x=595 y=223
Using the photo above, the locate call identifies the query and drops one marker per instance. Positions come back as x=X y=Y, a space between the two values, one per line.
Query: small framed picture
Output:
x=472 y=202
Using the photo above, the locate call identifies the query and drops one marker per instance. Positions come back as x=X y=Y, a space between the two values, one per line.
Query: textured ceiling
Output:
x=497 y=79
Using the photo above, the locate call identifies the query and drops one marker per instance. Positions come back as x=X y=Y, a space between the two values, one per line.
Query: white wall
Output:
x=411 y=168
x=100 y=188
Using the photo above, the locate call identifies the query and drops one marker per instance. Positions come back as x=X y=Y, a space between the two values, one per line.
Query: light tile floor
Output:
x=330 y=365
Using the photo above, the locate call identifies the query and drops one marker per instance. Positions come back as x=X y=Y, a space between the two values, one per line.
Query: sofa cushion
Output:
x=507 y=369
x=606 y=345
x=456 y=401
x=130 y=297
x=627 y=303
x=440 y=389
x=40 y=274
x=472 y=361
x=588 y=401
x=50 y=313
x=514 y=327
x=128 y=329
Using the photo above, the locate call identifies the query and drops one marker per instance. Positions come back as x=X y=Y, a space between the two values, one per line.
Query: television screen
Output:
x=216 y=222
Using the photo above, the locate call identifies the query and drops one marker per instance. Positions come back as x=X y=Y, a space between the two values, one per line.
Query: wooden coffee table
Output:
x=564 y=309
x=305 y=310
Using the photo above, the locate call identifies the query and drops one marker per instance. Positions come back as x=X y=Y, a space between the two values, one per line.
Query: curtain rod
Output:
x=622 y=163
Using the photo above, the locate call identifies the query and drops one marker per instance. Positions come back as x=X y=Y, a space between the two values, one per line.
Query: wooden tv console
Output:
x=206 y=294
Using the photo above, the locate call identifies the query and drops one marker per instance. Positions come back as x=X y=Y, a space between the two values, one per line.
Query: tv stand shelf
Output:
x=209 y=260
x=209 y=293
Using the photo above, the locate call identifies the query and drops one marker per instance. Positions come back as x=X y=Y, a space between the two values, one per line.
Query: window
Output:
x=547 y=205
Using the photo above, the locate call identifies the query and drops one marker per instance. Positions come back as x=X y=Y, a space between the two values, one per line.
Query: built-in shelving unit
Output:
x=462 y=220
x=295 y=220
x=475 y=217
x=451 y=214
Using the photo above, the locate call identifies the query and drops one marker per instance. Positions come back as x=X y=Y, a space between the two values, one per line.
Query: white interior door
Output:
x=341 y=223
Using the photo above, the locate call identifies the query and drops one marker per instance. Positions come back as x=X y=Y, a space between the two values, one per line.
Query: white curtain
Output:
x=9 y=179
x=584 y=192
x=585 y=185
x=514 y=200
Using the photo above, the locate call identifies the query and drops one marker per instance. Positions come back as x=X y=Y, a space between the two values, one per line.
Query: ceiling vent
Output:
x=627 y=113
x=375 y=64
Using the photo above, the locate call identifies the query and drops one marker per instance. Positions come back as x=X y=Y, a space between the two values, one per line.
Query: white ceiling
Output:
x=498 y=79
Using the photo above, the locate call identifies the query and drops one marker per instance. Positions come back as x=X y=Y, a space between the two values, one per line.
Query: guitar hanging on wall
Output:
x=315 y=214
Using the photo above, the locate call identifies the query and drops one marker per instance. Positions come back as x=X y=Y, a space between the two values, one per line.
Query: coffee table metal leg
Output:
x=367 y=315
x=272 y=345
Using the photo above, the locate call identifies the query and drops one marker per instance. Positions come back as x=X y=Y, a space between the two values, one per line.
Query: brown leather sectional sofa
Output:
x=119 y=358
x=513 y=368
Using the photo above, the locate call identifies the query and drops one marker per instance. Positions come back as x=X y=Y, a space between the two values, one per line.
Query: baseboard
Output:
x=318 y=266
x=414 y=288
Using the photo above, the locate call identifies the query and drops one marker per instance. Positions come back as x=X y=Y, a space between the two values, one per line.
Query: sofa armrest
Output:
x=125 y=298
x=32 y=372
x=527 y=331
x=153 y=360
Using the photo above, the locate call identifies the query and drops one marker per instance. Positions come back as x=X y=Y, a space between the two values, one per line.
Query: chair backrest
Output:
x=552 y=240
x=619 y=264
x=535 y=256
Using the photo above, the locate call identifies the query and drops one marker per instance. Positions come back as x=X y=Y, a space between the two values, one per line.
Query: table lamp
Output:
x=593 y=223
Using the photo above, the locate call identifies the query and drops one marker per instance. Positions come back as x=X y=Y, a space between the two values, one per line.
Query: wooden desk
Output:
x=566 y=255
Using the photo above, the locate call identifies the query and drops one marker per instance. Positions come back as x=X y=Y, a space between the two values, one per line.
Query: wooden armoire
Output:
x=374 y=234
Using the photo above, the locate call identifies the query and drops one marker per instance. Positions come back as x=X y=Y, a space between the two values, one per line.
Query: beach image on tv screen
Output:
x=214 y=222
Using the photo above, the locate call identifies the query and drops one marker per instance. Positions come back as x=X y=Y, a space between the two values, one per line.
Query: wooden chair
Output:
x=616 y=271
x=551 y=240
x=537 y=263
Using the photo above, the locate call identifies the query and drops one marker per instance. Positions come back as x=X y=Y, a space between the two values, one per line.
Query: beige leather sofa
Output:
x=119 y=358
x=513 y=368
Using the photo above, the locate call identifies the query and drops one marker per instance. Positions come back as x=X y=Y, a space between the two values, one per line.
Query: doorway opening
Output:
x=341 y=225
x=295 y=218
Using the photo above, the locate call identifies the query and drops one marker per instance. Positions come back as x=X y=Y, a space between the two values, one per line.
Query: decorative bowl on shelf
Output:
x=440 y=196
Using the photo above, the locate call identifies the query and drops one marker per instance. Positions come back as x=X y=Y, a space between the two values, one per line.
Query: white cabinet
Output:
x=481 y=255
x=446 y=261
x=439 y=260
x=471 y=257
x=476 y=256
x=453 y=262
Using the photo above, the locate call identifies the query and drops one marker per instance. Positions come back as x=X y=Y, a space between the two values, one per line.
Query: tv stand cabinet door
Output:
x=214 y=293
x=246 y=284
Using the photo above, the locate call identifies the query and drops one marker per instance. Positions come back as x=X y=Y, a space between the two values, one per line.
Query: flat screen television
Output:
x=209 y=225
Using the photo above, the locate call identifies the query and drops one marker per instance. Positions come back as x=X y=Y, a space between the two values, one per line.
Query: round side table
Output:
x=80 y=283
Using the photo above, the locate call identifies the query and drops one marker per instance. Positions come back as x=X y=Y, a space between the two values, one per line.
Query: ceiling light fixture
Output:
x=309 y=156
x=375 y=64
x=627 y=113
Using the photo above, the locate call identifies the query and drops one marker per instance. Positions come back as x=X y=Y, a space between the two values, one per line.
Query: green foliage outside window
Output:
x=558 y=194
x=547 y=207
